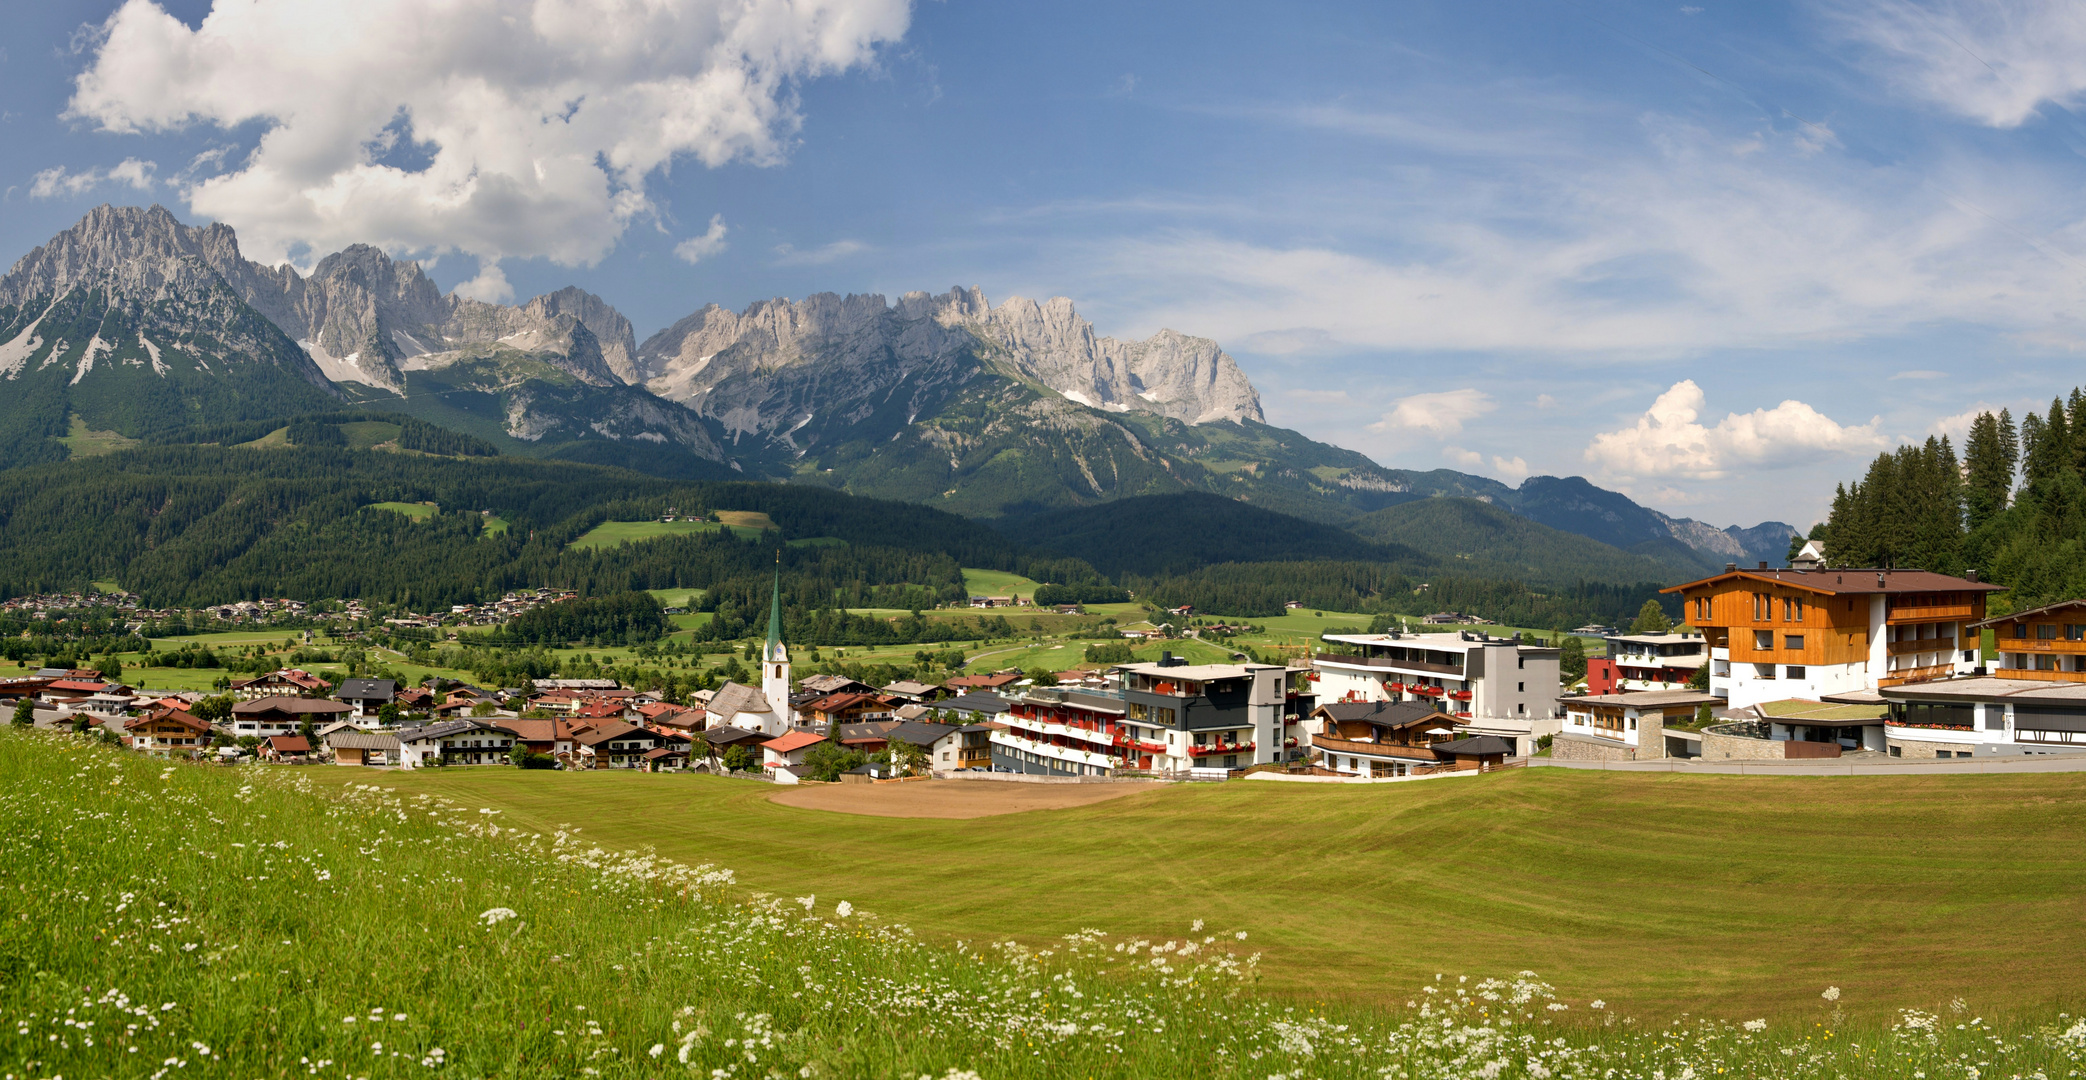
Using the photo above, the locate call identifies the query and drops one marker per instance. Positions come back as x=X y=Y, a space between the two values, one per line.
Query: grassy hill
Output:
x=1658 y=893
x=186 y=920
x=1493 y=540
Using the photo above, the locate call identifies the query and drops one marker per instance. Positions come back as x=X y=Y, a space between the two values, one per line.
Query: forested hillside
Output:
x=1170 y=534
x=1494 y=542
x=1259 y=590
x=191 y=525
x=2013 y=508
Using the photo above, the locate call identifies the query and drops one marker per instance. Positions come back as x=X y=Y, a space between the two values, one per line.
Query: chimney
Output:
x=1730 y=566
x=1879 y=580
x=1763 y=566
x=1971 y=576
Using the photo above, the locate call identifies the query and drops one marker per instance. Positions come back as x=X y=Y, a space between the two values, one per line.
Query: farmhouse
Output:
x=615 y=745
x=367 y=695
x=165 y=732
x=781 y=753
x=2044 y=644
x=287 y=682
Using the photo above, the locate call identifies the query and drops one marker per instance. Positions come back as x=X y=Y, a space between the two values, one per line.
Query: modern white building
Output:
x=1985 y=717
x=1493 y=686
x=1166 y=717
x=1648 y=662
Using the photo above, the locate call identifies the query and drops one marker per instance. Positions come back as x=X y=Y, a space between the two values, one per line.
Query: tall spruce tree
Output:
x=1989 y=457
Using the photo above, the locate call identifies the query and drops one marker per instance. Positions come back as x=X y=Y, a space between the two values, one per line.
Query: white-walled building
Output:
x=454 y=742
x=1493 y=686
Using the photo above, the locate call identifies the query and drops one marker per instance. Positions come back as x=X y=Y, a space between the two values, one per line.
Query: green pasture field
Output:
x=172 y=919
x=495 y=526
x=279 y=439
x=611 y=533
x=366 y=434
x=84 y=442
x=676 y=597
x=1712 y=895
x=420 y=511
x=997 y=583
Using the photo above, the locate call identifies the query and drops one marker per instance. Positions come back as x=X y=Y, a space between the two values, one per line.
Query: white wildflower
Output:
x=1599 y=1004
x=495 y=916
x=657 y=1049
x=1242 y=935
x=807 y=901
x=1756 y=1025
x=1197 y=927
x=844 y=909
x=1832 y=993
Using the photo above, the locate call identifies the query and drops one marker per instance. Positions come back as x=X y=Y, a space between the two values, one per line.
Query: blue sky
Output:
x=1715 y=256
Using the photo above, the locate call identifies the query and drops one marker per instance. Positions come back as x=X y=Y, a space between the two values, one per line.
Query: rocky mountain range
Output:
x=135 y=323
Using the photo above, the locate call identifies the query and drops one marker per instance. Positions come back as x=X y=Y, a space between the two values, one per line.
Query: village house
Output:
x=552 y=737
x=1494 y=686
x=996 y=681
x=843 y=708
x=739 y=706
x=287 y=682
x=454 y=742
x=266 y=717
x=1380 y=738
x=1169 y=717
x=367 y=695
x=717 y=741
x=285 y=748
x=1630 y=727
x=947 y=747
x=165 y=732
x=354 y=746
x=2042 y=644
x=913 y=690
x=778 y=755
x=1813 y=632
x=834 y=684
x=614 y=745
x=1647 y=662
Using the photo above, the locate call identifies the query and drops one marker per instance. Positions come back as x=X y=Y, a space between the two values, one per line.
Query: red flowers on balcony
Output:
x=1200 y=751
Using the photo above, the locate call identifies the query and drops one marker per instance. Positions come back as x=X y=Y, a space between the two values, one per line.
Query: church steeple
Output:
x=774 y=652
x=775 y=676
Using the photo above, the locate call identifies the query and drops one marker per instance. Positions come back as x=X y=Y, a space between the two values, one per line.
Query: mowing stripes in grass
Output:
x=178 y=920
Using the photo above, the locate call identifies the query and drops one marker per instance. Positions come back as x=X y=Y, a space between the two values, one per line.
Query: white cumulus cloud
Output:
x=1443 y=412
x=697 y=248
x=56 y=181
x=496 y=128
x=1669 y=440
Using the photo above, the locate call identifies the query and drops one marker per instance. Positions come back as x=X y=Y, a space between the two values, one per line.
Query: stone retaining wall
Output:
x=1588 y=748
x=1717 y=746
x=1914 y=749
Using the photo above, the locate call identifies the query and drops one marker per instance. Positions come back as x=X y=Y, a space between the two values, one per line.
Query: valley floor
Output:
x=1711 y=895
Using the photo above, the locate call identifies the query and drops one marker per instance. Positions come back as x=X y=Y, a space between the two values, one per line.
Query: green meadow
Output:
x=164 y=919
x=611 y=533
x=997 y=583
x=1712 y=895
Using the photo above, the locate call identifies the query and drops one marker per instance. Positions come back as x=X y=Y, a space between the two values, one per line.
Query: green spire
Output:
x=775 y=614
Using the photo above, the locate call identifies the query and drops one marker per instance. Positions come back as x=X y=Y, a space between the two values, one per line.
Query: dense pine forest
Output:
x=2012 y=508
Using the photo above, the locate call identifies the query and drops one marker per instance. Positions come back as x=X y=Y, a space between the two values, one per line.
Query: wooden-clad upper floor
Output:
x=1822 y=617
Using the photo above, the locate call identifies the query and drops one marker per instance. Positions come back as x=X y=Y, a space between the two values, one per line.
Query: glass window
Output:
x=1792 y=641
x=1794 y=671
x=2045 y=663
x=1764 y=640
x=2019 y=630
x=2046 y=631
x=2074 y=632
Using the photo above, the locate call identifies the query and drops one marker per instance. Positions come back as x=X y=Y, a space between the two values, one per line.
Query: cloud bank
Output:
x=496 y=128
x=1991 y=61
x=1668 y=440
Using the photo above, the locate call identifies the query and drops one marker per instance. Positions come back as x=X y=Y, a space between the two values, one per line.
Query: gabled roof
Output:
x=920 y=733
x=1382 y=713
x=1475 y=746
x=367 y=689
x=2033 y=613
x=362 y=740
x=611 y=732
x=734 y=698
x=977 y=702
x=833 y=684
x=664 y=751
x=192 y=723
x=1848 y=581
x=78 y=686
x=445 y=728
x=309 y=706
x=982 y=682
x=907 y=687
x=795 y=740
x=289 y=744
x=725 y=736
x=838 y=702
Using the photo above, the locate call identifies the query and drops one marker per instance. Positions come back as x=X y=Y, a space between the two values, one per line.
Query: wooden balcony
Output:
x=1334 y=745
x=1918 y=674
x=2040 y=645
x=2034 y=675
x=1910 y=613
x=1938 y=644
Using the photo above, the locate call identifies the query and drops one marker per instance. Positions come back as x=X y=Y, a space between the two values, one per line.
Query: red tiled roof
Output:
x=80 y=685
x=795 y=740
x=1849 y=581
x=289 y=744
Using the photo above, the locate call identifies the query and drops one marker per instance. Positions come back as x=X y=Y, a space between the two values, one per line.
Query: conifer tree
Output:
x=1989 y=456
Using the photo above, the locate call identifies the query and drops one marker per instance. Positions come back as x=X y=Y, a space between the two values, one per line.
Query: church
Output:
x=767 y=709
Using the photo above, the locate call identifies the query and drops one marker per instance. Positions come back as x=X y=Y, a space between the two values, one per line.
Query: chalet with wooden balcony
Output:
x=167 y=732
x=2045 y=644
x=1380 y=738
x=1493 y=686
x=1167 y=717
x=1811 y=632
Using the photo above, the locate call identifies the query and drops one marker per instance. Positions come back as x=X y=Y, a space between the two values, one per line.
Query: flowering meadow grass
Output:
x=163 y=921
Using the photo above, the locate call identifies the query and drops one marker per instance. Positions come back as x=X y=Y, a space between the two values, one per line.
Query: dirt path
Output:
x=950 y=798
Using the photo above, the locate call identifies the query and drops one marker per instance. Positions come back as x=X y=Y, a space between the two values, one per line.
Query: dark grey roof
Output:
x=921 y=733
x=1475 y=746
x=445 y=728
x=1386 y=713
x=351 y=739
x=721 y=736
x=367 y=689
x=977 y=701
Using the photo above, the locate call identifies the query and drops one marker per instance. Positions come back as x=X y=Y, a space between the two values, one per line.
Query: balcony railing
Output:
x=1337 y=745
x=1235 y=748
x=1923 y=645
x=1385 y=662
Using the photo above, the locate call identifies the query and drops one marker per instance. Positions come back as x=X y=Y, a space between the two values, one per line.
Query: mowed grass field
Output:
x=1713 y=895
x=997 y=583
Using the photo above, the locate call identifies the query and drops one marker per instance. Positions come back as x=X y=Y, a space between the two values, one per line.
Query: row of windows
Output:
x=1764 y=641
x=2048 y=631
